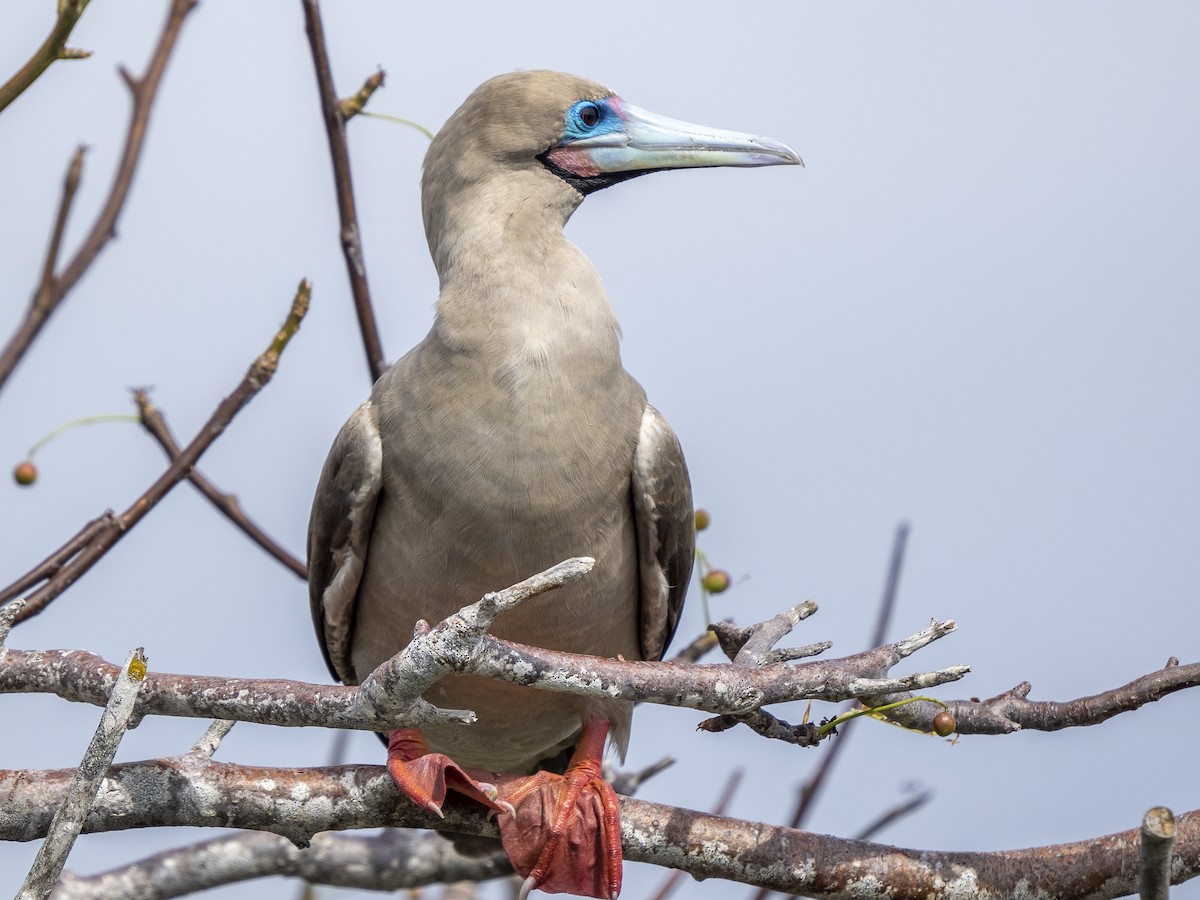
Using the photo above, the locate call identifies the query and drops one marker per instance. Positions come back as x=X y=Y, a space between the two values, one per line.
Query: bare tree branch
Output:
x=227 y=504
x=1012 y=710
x=51 y=291
x=897 y=812
x=671 y=882
x=1158 y=835
x=390 y=697
x=351 y=236
x=811 y=789
x=80 y=795
x=392 y=860
x=67 y=571
x=352 y=106
x=50 y=566
x=52 y=49
x=301 y=802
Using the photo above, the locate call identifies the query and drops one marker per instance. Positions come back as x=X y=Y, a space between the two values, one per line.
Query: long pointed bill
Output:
x=646 y=142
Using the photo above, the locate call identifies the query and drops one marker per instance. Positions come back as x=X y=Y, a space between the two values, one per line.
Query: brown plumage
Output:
x=509 y=439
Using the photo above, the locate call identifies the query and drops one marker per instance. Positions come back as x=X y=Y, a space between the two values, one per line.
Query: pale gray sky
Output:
x=975 y=309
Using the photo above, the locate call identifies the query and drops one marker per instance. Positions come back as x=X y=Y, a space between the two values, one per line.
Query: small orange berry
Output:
x=944 y=724
x=702 y=519
x=716 y=581
x=25 y=473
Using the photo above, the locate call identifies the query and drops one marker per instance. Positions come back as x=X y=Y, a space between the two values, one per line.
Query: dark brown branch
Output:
x=52 y=49
x=226 y=504
x=351 y=235
x=806 y=734
x=195 y=791
x=811 y=789
x=51 y=292
x=897 y=812
x=50 y=566
x=113 y=529
x=697 y=649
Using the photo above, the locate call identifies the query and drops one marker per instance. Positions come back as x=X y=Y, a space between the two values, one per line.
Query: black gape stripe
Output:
x=589 y=184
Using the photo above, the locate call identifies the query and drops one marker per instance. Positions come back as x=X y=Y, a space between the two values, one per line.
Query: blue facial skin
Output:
x=609 y=121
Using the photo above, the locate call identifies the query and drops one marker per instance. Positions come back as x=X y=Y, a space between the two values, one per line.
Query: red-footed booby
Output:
x=509 y=439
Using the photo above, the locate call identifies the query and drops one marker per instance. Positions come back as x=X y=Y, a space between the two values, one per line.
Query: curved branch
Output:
x=67 y=572
x=52 y=291
x=52 y=49
x=301 y=802
x=1013 y=711
x=390 y=696
x=226 y=504
x=335 y=115
x=85 y=677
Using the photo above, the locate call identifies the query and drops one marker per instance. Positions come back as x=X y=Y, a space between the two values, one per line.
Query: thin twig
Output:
x=50 y=566
x=697 y=649
x=897 y=812
x=351 y=235
x=808 y=792
x=53 y=48
x=48 y=297
x=226 y=504
x=628 y=782
x=259 y=373
x=81 y=793
x=352 y=106
x=210 y=741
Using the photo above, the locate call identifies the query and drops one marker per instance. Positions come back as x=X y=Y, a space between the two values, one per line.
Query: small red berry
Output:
x=716 y=581
x=702 y=519
x=25 y=473
x=944 y=724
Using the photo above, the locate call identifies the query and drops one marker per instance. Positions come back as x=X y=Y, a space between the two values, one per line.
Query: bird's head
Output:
x=552 y=138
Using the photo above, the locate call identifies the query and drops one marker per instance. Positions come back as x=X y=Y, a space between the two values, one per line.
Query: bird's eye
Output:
x=589 y=115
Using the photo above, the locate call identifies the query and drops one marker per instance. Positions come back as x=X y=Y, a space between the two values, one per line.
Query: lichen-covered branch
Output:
x=70 y=814
x=299 y=803
x=392 y=860
x=393 y=699
x=390 y=697
x=1013 y=710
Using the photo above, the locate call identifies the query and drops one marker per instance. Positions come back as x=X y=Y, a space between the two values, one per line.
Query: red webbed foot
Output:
x=566 y=834
x=424 y=776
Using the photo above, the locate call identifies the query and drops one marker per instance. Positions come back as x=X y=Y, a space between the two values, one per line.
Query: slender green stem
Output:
x=703 y=564
x=874 y=711
x=411 y=124
x=74 y=423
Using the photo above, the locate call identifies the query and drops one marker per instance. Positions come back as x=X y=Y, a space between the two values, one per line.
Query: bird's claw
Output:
x=424 y=776
x=565 y=836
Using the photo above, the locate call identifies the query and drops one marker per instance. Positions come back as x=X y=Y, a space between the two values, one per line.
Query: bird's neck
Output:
x=511 y=282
